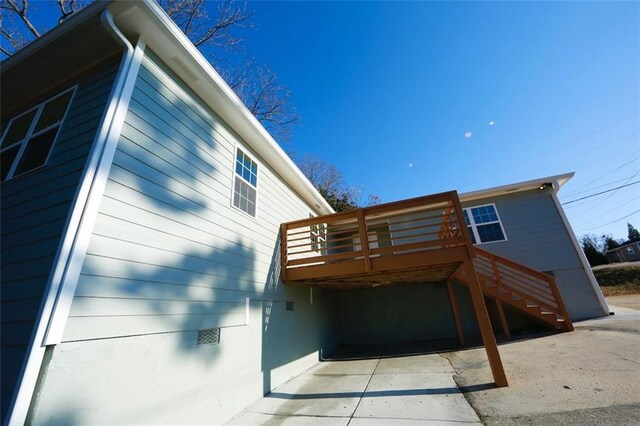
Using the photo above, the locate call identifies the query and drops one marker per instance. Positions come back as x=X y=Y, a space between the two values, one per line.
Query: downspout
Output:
x=576 y=245
x=71 y=252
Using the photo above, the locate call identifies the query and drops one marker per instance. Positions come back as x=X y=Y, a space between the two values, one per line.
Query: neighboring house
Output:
x=629 y=252
x=141 y=211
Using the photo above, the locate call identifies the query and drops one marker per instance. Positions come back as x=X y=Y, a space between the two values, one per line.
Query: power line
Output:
x=600 y=193
x=604 y=185
x=582 y=153
x=564 y=144
x=609 y=223
x=609 y=172
x=611 y=211
x=613 y=192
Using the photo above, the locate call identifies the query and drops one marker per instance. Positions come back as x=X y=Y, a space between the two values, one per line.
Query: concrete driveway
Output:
x=402 y=386
x=589 y=377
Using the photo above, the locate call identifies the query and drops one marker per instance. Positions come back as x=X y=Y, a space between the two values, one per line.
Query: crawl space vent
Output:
x=289 y=306
x=210 y=336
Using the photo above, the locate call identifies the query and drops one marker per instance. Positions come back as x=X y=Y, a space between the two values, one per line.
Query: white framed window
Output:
x=483 y=223
x=245 y=183
x=28 y=138
x=630 y=250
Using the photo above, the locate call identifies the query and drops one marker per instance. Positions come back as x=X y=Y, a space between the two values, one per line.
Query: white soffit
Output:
x=558 y=181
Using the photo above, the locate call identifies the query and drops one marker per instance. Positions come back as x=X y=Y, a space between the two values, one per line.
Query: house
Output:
x=629 y=252
x=143 y=274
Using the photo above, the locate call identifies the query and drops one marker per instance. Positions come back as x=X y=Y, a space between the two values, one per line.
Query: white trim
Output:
x=30 y=134
x=559 y=180
x=235 y=176
x=474 y=225
x=147 y=20
x=167 y=40
x=89 y=197
x=70 y=256
x=576 y=246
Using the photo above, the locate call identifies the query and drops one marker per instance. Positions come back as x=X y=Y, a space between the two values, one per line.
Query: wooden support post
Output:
x=364 y=239
x=455 y=312
x=489 y=340
x=503 y=319
x=283 y=252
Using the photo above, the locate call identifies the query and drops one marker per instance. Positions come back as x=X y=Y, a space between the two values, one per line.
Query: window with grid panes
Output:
x=28 y=138
x=484 y=224
x=245 y=184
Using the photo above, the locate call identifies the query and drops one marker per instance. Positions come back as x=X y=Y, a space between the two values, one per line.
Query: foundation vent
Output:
x=289 y=306
x=210 y=336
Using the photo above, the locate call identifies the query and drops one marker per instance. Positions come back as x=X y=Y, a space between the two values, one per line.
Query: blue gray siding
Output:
x=169 y=255
x=35 y=207
x=537 y=237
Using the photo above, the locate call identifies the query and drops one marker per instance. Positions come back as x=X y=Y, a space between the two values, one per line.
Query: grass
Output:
x=619 y=281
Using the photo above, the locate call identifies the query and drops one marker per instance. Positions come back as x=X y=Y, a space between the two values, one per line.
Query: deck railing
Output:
x=417 y=225
x=532 y=291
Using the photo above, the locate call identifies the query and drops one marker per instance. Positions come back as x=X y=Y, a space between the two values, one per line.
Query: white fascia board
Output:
x=148 y=21
x=558 y=181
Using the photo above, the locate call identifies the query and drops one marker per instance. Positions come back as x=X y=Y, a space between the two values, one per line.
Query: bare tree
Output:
x=192 y=18
x=213 y=27
x=329 y=181
x=267 y=99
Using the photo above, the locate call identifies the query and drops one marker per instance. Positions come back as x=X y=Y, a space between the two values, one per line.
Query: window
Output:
x=484 y=224
x=630 y=250
x=245 y=183
x=29 y=137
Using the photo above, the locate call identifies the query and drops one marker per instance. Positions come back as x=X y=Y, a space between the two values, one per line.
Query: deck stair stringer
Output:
x=521 y=287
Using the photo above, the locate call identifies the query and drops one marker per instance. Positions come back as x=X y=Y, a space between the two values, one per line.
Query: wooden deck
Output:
x=419 y=240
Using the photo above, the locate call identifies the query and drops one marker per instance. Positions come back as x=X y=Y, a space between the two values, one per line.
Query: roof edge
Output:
x=236 y=114
x=557 y=181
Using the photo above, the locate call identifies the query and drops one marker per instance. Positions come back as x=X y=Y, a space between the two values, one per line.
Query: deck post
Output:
x=283 y=252
x=503 y=319
x=364 y=239
x=488 y=338
x=456 y=313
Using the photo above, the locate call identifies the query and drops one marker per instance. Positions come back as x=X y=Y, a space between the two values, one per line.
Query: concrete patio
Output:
x=399 y=385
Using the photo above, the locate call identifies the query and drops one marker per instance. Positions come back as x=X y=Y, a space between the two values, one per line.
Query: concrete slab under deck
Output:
x=399 y=385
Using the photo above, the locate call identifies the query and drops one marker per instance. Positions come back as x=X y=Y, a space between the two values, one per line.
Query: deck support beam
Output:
x=488 y=338
x=456 y=313
x=503 y=319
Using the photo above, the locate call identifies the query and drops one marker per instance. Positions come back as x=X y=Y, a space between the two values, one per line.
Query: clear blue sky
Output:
x=387 y=91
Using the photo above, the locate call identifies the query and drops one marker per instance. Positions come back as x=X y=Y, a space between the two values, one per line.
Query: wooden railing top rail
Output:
x=515 y=265
x=419 y=224
x=526 y=271
x=396 y=206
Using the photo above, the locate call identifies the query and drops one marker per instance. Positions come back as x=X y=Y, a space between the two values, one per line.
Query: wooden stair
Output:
x=521 y=287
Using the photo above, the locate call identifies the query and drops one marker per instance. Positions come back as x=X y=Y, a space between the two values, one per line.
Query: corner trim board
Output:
x=579 y=252
x=63 y=280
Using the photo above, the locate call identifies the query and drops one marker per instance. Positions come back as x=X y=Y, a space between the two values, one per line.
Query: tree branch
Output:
x=22 y=13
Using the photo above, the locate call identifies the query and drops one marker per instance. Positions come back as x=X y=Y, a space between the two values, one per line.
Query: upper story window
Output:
x=245 y=185
x=29 y=137
x=484 y=224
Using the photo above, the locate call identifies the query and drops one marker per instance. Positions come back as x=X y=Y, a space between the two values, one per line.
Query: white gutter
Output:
x=576 y=245
x=61 y=287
